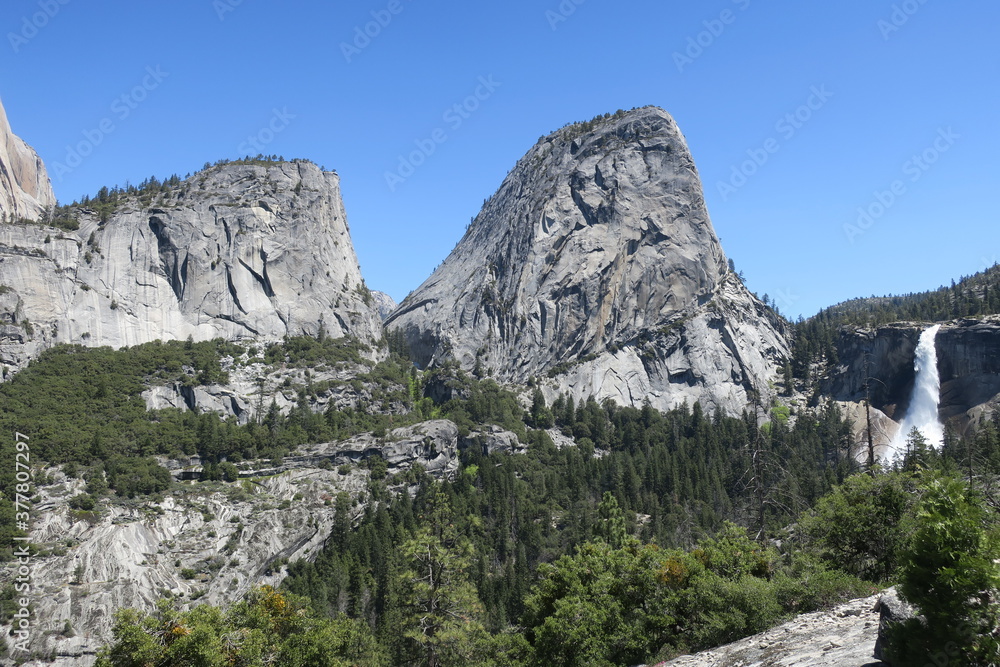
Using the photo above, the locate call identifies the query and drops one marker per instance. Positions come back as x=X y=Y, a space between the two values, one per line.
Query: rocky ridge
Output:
x=384 y=304
x=25 y=189
x=596 y=263
x=206 y=544
x=236 y=251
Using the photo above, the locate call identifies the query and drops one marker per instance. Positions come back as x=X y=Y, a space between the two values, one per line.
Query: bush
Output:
x=131 y=477
x=622 y=606
x=949 y=572
x=268 y=628
x=861 y=526
x=229 y=472
x=83 y=501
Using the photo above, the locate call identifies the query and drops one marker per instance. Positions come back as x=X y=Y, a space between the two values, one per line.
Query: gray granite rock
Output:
x=596 y=263
x=384 y=303
x=841 y=637
x=237 y=251
x=25 y=189
x=132 y=554
x=892 y=609
x=128 y=553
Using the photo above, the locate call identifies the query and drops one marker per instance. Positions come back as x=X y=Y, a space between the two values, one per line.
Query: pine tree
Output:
x=442 y=610
x=949 y=574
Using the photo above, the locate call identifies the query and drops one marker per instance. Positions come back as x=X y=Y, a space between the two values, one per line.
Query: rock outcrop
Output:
x=384 y=304
x=892 y=610
x=842 y=637
x=25 y=189
x=596 y=264
x=236 y=251
x=969 y=364
x=207 y=545
x=884 y=429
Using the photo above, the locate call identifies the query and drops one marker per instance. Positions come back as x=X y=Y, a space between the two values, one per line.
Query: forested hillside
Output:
x=610 y=535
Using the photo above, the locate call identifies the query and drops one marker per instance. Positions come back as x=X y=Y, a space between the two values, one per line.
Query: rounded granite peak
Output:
x=595 y=243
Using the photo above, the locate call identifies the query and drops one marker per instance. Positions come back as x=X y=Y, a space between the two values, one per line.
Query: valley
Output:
x=582 y=440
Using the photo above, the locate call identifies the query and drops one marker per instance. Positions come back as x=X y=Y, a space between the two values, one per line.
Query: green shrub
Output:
x=949 y=572
x=861 y=527
x=83 y=501
x=130 y=477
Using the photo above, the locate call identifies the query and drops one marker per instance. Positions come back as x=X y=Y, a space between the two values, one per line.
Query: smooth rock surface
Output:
x=884 y=429
x=237 y=251
x=842 y=637
x=596 y=262
x=25 y=189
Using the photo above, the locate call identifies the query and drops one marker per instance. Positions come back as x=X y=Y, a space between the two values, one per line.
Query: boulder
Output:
x=892 y=610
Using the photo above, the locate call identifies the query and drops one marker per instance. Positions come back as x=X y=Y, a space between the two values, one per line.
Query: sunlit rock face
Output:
x=596 y=264
x=25 y=190
x=236 y=251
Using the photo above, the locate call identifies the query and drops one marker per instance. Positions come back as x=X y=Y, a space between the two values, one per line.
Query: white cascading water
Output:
x=923 y=410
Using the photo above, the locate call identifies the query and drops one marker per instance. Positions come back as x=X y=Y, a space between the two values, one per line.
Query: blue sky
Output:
x=800 y=115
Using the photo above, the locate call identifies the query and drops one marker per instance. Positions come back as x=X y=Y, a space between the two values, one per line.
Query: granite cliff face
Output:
x=596 y=264
x=968 y=363
x=236 y=251
x=25 y=190
x=208 y=544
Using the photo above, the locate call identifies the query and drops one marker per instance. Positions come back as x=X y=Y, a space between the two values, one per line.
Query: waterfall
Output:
x=923 y=410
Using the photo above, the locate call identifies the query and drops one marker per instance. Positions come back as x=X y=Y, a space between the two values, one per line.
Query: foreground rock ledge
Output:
x=842 y=637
